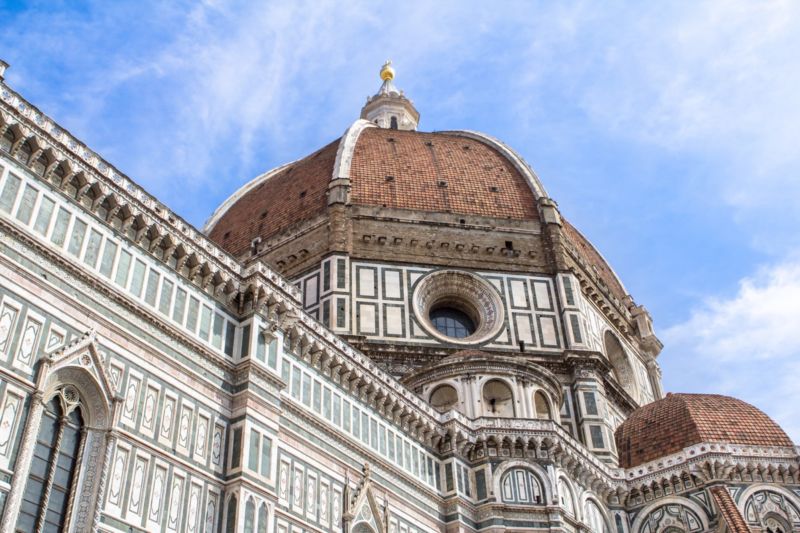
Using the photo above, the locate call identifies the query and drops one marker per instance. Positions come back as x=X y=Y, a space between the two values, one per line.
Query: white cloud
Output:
x=715 y=79
x=747 y=345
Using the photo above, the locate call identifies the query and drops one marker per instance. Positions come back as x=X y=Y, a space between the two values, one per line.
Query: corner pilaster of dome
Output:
x=644 y=330
x=585 y=364
x=339 y=191
x=548 y=208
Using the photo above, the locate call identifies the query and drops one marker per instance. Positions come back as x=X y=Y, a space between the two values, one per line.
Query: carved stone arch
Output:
x=24 y=149
x=756 y=512
x=82 y=361
x=43 y=161
x=364 y=513
x=644 y=521
x=442 y=386
x=76 y=370
x=536 y=468
x=362 y=527
x=505 y=407
x=567 y=501
x=589 y=498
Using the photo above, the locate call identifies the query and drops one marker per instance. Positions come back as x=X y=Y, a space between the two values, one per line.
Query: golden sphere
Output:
x=387 y=72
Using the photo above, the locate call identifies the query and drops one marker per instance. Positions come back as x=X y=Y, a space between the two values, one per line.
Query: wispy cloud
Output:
x=746 y=345
x=710 y=79
x=193 y=99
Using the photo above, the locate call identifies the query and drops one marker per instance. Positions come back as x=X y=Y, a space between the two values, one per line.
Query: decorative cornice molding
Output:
x=51 y=138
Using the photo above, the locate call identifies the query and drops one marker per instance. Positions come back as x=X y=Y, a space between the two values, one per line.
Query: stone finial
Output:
x=3 y=67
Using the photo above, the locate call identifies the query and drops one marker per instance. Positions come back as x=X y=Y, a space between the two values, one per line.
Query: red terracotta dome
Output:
x=435 y=172
x=274 y=201
x=455 y=172
x=678 y=421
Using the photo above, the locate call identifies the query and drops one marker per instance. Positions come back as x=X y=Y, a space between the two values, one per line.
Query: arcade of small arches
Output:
x=497 y=399
x=478 y=384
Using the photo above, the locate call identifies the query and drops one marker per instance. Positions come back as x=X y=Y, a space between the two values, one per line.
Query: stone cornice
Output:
x=728 y=454
x=121 y=191
x=544 y=438
x=256 y=287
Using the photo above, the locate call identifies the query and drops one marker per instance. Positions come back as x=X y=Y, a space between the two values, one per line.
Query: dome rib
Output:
x=521 y=165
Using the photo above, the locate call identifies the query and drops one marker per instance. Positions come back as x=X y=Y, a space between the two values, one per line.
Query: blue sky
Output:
x=668 y=132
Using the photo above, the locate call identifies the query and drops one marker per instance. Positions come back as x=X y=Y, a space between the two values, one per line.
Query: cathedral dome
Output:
x=382 y=164
x=435 y=172
x=678 y=421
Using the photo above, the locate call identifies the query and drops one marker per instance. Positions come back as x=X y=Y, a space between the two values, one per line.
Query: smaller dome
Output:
x=678 y=421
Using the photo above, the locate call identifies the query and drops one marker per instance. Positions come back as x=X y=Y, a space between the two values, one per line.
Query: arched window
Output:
x=519 y=485
x=250 y=516
x=55 y=459
x=672 y=518
x=262 y=518
x=565 y=497
x=593 y=517
x=774 y=510
x=444 y=397
x=230 y=521
x=498 y=399
x=542 y=406
x=393 y=123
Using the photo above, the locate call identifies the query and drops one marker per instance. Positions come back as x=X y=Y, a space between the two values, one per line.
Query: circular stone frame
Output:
x=466 y=292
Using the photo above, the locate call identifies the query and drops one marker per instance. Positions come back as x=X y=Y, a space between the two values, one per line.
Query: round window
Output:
x=452 y=322
x=458 y=307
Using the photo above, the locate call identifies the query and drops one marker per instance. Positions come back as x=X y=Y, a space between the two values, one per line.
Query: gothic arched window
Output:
x=250 y=516
x=520 y=485
x=565 y=496
x=230 y=521
x=593 y=517
x=55 y=460
x=262 y=518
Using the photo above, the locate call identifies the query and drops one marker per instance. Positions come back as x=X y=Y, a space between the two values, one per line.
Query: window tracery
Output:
x=56 y=457
x=773 y=510
x=521 y=486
